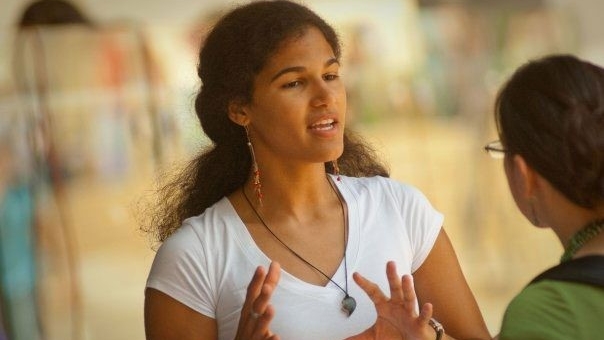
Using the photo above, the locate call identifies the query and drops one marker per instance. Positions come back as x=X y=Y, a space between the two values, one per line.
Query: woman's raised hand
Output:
x=397 y=317
x=257 y=312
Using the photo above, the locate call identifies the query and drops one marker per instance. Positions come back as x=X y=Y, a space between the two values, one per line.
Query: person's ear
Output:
x=526 y=176
x=238 y=113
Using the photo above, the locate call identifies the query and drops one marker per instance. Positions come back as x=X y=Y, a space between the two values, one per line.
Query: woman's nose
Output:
x=323 y=95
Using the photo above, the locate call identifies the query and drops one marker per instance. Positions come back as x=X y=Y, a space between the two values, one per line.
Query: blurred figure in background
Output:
x=18 y=264
x=27 y=158
x=89 y=109
x=81 y=120
x=31 y=160
x=550 y=120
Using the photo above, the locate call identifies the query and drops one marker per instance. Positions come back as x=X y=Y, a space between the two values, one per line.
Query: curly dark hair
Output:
x=232 y=55
x=551 y=112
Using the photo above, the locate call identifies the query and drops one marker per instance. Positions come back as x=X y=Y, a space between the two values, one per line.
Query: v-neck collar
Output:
x=290 y=282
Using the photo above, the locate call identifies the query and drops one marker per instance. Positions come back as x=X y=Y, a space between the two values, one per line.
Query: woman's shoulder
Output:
x=383 y=186
x=378 y=183
x=203 y=228
x=549 y=296
x=555 y=306
x=217 y=212
x=557 y=291
x=540 y=308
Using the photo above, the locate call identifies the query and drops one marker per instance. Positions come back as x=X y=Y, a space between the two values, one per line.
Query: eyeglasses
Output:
x=495 y=149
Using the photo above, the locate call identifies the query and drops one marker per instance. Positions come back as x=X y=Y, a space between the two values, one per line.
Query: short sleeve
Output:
x=424 y=223
x=178 y=271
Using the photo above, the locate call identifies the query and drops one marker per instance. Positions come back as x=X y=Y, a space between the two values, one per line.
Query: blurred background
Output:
x=92 y=110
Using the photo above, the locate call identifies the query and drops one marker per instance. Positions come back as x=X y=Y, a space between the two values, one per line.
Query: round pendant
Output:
x=349 y=304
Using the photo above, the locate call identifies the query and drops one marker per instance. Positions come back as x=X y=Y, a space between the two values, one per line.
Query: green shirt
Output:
x=555 y=310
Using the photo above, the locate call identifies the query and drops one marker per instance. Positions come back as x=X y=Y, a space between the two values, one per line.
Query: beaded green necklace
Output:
x=588 y=232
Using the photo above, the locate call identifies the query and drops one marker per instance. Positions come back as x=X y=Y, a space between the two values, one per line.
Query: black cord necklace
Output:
x=348 y=303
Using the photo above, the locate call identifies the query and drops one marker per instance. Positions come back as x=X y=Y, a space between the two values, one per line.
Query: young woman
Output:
x=285 y=186
x=550 y=118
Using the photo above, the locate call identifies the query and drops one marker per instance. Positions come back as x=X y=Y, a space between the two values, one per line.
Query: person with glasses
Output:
x=550 y=121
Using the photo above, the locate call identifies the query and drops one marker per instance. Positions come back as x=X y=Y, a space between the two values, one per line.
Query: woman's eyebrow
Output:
x=287 y=70
x=301 y=68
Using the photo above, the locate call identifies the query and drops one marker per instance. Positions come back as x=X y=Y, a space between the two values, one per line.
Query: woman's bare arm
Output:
x=440 y=281
x=168 y=319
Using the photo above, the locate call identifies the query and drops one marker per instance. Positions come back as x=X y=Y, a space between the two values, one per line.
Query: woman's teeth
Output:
x=325 y=124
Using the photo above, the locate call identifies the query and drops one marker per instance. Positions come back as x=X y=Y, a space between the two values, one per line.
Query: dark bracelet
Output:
x=438 y=328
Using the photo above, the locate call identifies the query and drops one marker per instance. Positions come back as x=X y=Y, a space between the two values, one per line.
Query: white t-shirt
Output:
x=208 y=262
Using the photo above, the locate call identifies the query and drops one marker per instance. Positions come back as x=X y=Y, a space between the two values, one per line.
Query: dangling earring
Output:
x=336 y=169
x=257 y=185
x=534 y=217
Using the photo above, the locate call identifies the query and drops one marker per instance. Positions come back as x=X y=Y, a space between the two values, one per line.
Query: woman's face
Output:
x=517 y=182
x=298 y=106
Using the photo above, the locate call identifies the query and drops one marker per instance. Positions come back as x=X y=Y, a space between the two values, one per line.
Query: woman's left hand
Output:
x=397 y=317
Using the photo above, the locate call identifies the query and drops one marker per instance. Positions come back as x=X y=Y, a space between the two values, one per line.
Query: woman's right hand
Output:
x=257 y=312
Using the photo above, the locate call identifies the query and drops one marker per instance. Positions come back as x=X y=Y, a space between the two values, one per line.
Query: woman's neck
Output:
x=573 y=233
x=595 y=246
x=293 y=193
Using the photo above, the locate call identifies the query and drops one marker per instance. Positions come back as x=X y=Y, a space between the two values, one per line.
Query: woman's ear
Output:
x=525 y=175
x=238 y=113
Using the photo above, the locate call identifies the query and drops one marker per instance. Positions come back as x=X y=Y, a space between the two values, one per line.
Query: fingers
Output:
x=408 y=291
x=268 y=286
x=371 y=289
x=394 y=281
x=257 y=313
x=402 y=290
x=274 y=274
x=261 y=288
x=425 y=313
x=261 y=329
x=397 y=313
x=253 y=288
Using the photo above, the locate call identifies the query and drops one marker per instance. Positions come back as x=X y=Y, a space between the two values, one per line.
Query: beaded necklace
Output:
x=591 y=230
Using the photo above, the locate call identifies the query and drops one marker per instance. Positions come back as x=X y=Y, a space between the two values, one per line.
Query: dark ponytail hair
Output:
x=234 y=52
x=551 y=112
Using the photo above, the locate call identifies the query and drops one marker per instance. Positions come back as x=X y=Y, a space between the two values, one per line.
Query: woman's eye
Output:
x=292 y=84
x=331 y=76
